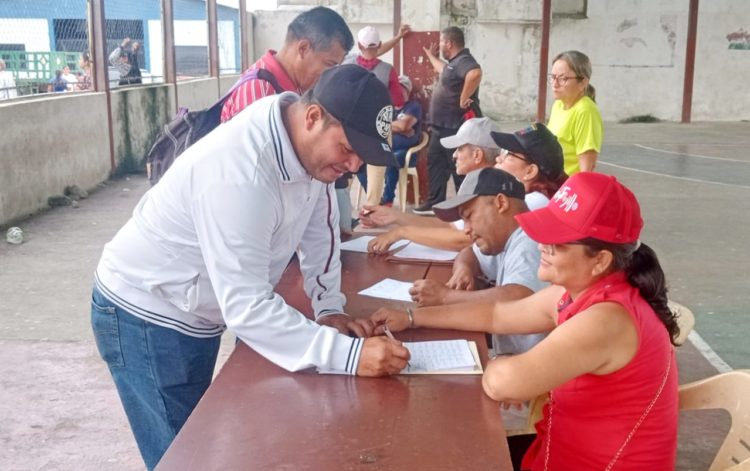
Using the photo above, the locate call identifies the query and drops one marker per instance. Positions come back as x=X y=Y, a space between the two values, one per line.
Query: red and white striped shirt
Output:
x=253 y=90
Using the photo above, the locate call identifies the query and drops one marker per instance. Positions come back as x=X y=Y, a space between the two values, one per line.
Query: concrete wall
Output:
x=138 y=115
x=721 y=87
x=197 y=94
x=47 y=144
x=226 y=82
x=637 y=48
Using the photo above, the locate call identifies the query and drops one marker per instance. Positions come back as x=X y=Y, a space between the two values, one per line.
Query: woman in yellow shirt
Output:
x=575 y=118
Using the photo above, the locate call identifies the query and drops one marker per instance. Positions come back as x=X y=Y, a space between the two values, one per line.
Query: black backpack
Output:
x=189 y=126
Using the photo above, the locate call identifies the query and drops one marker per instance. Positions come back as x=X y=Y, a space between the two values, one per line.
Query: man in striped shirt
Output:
x=315 y=40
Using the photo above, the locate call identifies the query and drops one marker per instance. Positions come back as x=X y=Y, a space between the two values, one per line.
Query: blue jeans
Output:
x=391 y=175
x=160 y=373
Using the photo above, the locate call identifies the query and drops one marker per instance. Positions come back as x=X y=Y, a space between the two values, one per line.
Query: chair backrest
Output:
x=414 y=149
x=685 y=319
x=729 y=391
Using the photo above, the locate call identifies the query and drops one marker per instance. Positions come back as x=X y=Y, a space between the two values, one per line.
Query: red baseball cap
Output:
x=589 y=204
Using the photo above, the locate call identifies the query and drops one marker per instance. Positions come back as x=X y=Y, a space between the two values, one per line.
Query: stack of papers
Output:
x=360 y=244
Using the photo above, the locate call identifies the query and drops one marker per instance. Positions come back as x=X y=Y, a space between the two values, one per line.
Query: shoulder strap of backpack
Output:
x=253 y=74
x=264 y=74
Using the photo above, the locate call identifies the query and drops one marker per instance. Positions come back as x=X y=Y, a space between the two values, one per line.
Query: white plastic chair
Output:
x=685 y=319
x=729 y=391
x=406 y=171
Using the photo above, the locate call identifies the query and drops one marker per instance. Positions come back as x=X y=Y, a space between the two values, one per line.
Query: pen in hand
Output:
x=389 y=334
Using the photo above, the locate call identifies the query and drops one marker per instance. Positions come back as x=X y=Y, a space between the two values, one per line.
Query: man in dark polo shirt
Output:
x=455 y=95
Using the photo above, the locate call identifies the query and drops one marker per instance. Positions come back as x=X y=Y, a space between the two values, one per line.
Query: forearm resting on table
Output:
x=444 y=238
x=509 y=292
x=528 y=315
x=466 y=260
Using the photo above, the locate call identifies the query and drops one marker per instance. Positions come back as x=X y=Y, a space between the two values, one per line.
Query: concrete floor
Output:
x=58 y=406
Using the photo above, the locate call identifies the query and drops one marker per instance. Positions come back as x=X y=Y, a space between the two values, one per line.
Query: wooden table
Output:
x=258 y=416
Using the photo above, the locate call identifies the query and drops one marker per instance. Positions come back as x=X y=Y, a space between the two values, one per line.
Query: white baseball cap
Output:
x=405 y=82
x=368 y=37
x=474 y=131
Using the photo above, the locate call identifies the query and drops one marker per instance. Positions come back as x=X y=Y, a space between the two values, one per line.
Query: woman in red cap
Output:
x=608 y=360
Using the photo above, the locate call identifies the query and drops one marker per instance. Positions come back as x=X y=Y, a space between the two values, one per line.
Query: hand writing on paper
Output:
x=429 y=293
x=396 y=320
x=377 y=216
x=462 y=278
x=346 y=324
x=382 y=356
x=383 y=242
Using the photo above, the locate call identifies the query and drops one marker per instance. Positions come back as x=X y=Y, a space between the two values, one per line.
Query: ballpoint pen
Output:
x=389 y=334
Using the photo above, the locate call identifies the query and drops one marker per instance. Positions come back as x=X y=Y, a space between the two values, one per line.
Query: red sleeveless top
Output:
x=626 y=420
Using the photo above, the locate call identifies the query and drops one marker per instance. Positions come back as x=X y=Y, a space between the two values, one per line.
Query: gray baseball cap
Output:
x=488 y=181
x=474 y=131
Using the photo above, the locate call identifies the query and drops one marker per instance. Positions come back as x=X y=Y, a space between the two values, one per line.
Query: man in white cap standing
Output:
x=370 y=47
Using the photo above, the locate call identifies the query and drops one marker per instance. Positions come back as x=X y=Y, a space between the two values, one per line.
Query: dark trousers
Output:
x=440 y=166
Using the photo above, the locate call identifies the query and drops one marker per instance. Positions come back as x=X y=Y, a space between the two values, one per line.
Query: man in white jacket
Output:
x=207 y=245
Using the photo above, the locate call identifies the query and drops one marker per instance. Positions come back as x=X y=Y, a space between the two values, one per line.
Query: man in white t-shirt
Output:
x=487 y=202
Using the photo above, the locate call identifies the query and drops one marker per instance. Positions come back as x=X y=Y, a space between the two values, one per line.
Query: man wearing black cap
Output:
x=205 y=248
x=488 y=201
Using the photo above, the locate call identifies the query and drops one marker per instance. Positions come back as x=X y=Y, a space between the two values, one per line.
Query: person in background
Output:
x=407 y=132
x=608 y=360
x=575 y=118
x=474 y=149
x=7 y=83
x=86 y=65
x=316 y=40
x=57 y=83
x=370 y=47
x=125 y=58
x=454 y=95
x=207 y=245
x=535 y=157
x=69 y=77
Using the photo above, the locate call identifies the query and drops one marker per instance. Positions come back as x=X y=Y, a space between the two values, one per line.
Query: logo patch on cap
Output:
x=383 y=121
x=566 y=201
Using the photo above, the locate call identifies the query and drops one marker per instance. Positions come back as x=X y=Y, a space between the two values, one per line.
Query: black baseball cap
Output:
x=539 y=146
x=362 y=104
x=487 y=181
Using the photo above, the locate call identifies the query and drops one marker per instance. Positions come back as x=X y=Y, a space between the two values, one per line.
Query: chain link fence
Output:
x=45 y=45
x=43 y=49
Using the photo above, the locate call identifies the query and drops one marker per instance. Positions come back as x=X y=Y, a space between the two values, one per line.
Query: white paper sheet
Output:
x=389 y=289
x=438 y=357
x=360 y=244
x=422 y=252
